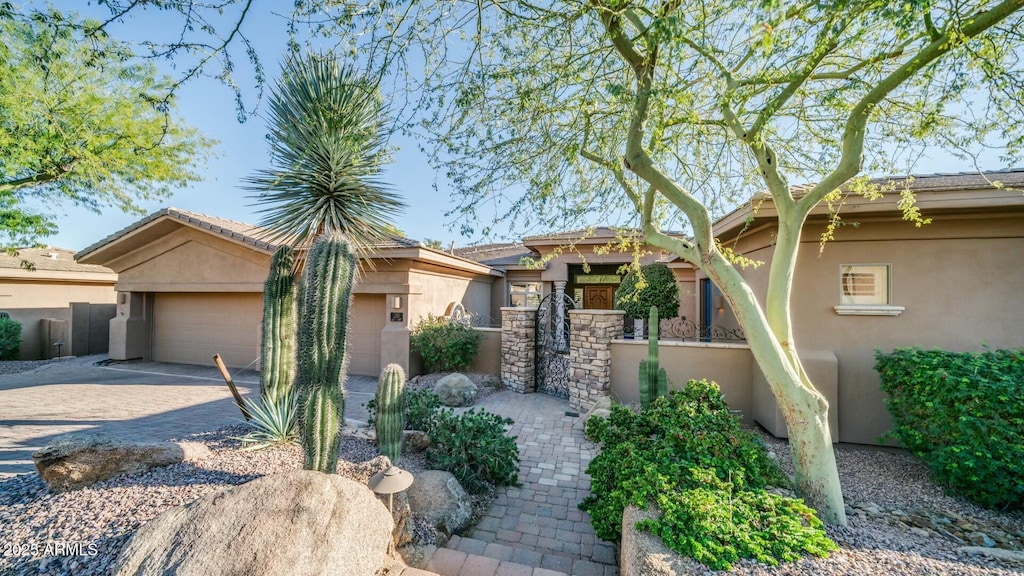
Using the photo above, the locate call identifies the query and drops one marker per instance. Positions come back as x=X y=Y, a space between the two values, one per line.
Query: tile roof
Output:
x=500 y=254
x=49 y=259
x=250 y=234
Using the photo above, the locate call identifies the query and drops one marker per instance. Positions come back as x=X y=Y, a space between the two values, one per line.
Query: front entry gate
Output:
x=551 y=344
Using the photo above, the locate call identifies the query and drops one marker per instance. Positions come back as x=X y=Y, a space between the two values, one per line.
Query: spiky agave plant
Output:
x=277 y=352
x=322 y=357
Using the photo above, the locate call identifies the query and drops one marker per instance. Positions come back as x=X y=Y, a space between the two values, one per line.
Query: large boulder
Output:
x=455 y=390
x=302 y=522
x=79 y=459
x=439 y=499
x=644 y=554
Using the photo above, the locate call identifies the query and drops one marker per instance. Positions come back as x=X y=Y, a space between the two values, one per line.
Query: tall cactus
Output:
x=322 y=358
x=653 y=379
x=277 y=353
x=390 y=419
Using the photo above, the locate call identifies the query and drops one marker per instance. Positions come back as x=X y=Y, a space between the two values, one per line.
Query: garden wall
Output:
x=488 y=357
x=730 y=365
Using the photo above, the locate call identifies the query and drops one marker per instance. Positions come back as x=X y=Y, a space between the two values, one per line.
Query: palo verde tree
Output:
x=81 y=122
x=675 y=111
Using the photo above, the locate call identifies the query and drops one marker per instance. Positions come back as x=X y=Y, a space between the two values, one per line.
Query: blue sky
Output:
x=242 y=149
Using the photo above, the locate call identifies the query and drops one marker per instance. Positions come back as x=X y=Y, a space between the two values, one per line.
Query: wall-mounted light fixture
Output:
x=720 y=303
x=397 y=303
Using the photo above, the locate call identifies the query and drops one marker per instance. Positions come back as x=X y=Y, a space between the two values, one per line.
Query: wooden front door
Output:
x=597 y=297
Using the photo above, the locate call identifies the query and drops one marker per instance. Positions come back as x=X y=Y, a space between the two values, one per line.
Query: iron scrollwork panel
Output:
x=551 y=341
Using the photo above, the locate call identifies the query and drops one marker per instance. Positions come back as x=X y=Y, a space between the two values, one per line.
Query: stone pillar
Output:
x=517 y=348
x=590 y=355
x=560 y=317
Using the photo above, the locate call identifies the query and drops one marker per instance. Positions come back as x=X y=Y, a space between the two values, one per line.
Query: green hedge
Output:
x=10 y=339
x=651 y=285
x=707 y=474
x=963 y=415
x=446 y=346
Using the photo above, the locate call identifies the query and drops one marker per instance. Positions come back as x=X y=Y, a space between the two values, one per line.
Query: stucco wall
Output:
x=960 y=279
x=730 y=365
x=30 y=301
x=488 y=358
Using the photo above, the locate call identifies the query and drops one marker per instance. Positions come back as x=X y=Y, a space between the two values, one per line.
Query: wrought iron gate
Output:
x=551 y=345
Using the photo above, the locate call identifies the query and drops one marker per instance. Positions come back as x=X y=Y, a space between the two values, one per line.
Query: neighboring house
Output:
x=44 y=289
x=190 y=286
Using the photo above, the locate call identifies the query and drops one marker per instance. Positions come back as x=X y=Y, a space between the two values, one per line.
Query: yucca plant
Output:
x=328 y=142
x=273 y=420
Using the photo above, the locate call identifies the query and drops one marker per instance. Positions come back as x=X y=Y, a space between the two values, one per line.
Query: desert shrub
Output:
x=474 y=448
x=707 y=474
x=274 y=421
x=445 y=346
x=420 y=406
x=963 y=415
x=10 y=339
x=651 y=285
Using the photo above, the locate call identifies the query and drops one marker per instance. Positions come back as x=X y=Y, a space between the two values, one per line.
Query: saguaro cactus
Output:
x=653 y=379
x=277 y=352
x=390 y=419
x=322 y=358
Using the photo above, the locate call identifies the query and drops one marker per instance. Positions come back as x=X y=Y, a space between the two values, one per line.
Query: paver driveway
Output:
x=145 y=401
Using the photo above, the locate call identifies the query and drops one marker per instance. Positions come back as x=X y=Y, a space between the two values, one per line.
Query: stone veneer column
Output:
x=590 y=355
x=517 y=348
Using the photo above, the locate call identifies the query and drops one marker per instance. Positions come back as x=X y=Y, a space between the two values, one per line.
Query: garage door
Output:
x=191 y=328
x=366 y=321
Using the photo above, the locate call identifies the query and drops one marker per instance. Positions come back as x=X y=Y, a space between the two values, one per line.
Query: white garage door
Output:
x=366 y=321
x=191 y=328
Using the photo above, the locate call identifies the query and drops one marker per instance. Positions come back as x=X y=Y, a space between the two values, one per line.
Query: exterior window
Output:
x=525 y=293
x=864 y=284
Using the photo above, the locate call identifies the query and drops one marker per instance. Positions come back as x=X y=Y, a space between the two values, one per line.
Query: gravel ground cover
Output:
x=17 y=366
x=877 y=544
x=81 y=532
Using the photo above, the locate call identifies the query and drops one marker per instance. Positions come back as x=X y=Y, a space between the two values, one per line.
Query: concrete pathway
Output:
x=145 y=401
x=536 y=529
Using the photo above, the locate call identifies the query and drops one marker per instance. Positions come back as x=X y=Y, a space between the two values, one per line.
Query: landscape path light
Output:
x=390 y=481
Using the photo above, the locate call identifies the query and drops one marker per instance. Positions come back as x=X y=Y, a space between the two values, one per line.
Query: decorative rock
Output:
x=981 y=539
x=438 y=497
x=455 y=390
x=920 y=532
x=644 y=554
x=80 y=459
x=302 y=522
x=415 y=440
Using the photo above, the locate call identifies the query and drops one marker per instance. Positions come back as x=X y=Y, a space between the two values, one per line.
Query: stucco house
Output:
x=189 y=285
x=44 y=289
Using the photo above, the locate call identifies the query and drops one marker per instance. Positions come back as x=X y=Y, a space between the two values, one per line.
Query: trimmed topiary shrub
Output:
x=474 y=448
x=963 y=415
x=446 y=346
x=708 y=476
x=10 y=339
x=651 y=285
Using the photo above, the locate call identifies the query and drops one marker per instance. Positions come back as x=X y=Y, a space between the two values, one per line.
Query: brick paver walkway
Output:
x=536 y=529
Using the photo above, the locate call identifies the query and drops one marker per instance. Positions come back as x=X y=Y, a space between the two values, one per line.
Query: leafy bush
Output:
x=963 y=415
x=274 y=421
x=445 y=346
x=707 y=474
x=473 y=447
x=651 y=285
x=10 y=339
x=420 y=406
